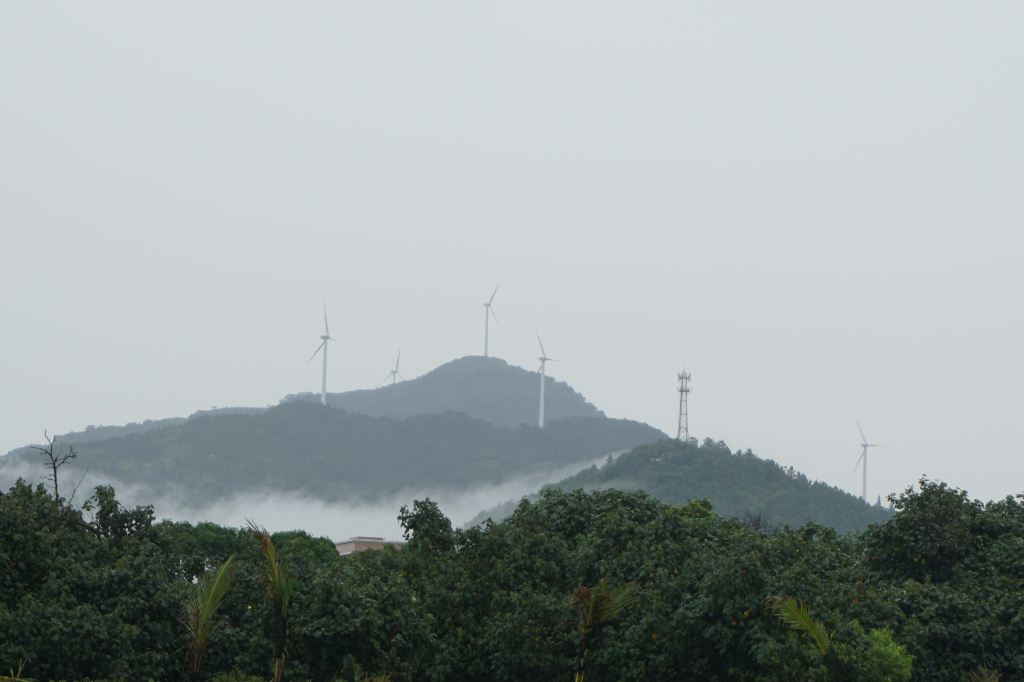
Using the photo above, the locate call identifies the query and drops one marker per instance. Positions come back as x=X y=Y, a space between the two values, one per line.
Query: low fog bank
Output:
x=293 y=511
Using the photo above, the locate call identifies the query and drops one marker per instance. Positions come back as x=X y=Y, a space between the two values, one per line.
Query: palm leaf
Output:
x=279 y=588
x=603 y=603
x=609 y=602
x=798 y=617
x=279 y=584
x=199 y=607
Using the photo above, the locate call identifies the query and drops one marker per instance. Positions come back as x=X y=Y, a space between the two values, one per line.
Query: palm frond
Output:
x=798 y=617
x=603 y=603
x=610 y=602
x=279 y=584
x=199 y=607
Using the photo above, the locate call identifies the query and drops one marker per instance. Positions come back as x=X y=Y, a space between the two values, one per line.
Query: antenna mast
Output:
x=684 y=411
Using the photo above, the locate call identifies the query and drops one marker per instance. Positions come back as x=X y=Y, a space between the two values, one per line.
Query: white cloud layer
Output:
x=337 y=520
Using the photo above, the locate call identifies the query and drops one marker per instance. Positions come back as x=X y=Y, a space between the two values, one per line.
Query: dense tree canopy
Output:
x=934 y=592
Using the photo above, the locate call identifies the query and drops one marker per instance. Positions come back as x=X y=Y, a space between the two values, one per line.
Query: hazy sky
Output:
x=816 y=206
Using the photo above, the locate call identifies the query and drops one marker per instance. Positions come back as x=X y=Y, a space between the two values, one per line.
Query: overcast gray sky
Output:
x=816 y=206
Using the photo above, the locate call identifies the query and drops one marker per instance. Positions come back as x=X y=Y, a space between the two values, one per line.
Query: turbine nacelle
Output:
x=394 y=374
x=544 y=360
x=862 y=461
x=324 y=338
x=488 y=314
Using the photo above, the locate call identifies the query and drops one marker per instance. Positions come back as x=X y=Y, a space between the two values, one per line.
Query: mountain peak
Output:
x=486 y=388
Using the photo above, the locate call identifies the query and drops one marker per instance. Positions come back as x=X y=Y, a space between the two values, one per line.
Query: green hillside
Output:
x=739 y=485
x=331 y=454
x=484 y=388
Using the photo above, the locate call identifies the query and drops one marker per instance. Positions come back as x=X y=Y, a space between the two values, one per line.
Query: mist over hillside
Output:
x=331 y=454
x=486 y=388
x=739 y=485
x=467 y=425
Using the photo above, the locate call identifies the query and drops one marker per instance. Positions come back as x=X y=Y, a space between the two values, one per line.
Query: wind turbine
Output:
x=544 y=360
x=394 y=372
x=323 y=346
x=864 y=444
x=488 y=313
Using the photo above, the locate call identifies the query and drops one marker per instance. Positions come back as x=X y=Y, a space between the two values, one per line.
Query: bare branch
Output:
x=54 y=460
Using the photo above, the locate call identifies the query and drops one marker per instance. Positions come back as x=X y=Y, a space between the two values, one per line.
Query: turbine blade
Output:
x=315 y=352
x=491 y=299
x=858 y=461
x=863 y=438
x=327 y=332
x=541 y=344
x=398 y=359
x=493 y=314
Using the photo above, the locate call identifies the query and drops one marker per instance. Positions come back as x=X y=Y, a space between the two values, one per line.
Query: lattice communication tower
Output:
x=684 y=410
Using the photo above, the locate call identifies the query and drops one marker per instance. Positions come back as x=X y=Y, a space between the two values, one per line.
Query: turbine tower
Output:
x=864 y=445
x=544 y=360
x=683 y=433
x=394 y=372
x=323 y=346
x=488 y=313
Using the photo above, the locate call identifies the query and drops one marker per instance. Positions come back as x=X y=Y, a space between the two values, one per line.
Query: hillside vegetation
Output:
x=738 y=485
x=331 y=454
x=484 y=388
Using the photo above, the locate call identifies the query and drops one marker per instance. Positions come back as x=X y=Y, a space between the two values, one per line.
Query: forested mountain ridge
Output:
x=103 y=432
x=738 y=485
x=331 y=454
x=484 y=388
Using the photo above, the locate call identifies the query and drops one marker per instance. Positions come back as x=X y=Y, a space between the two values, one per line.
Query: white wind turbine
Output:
x=862 y=461
x=488 y=313
x=544 y=360
x=323 y=346
x=394 y=373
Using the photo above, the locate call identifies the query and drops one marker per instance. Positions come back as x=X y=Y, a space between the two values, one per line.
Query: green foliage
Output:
x=235 y=676
x=876 y=657
x=83 y=598
x=886 y=659
x=425 y=528
x=98 y=594
x=935 y=530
